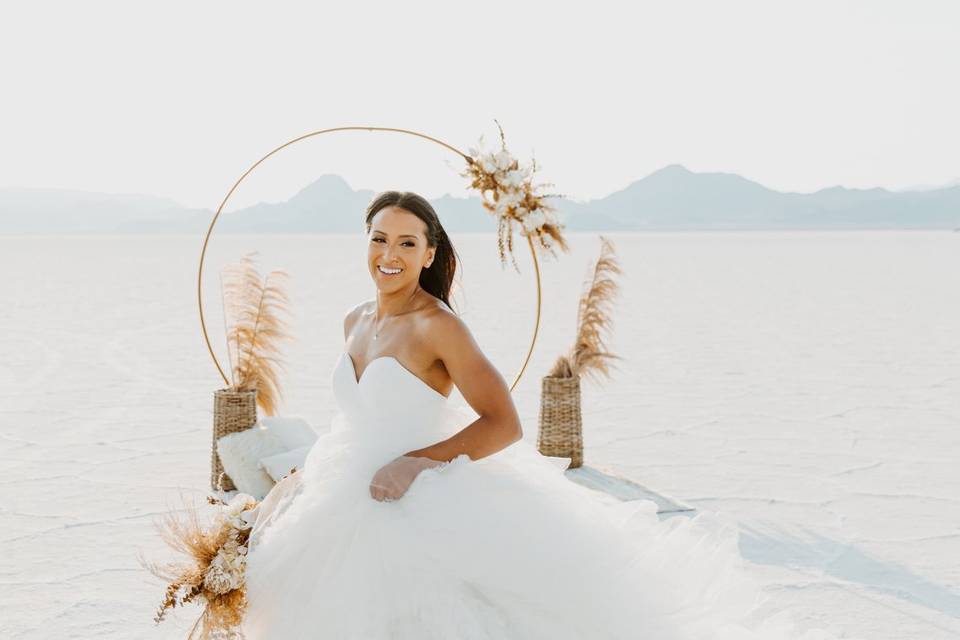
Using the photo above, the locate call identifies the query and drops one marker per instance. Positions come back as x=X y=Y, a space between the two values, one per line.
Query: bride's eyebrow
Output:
x=405 y=235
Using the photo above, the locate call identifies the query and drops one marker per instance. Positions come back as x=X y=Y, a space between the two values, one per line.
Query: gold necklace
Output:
x=376 y=312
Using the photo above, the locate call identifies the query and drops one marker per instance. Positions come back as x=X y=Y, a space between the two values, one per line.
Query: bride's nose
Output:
x=388 y=255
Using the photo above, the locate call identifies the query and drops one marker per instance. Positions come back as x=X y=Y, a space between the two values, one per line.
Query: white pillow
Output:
x=292 y=431
x=240 y=454
x=279 y=464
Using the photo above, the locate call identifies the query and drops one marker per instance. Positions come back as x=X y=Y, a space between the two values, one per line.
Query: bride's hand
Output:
x=393 y=479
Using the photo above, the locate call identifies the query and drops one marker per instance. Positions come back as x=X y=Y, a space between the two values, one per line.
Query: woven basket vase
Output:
x=561 y=430
x=233 y=411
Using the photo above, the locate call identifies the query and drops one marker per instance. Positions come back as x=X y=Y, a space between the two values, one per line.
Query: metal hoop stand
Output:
x=206 y=240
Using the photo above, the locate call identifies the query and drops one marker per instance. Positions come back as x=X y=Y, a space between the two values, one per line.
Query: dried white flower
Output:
x=534 y=220
x=513 y=178
x=504 y=159
x=510 y=197
x=240 y=502
x=509 y=194
x=250 y=516
x=221 y=576
x=488 y=164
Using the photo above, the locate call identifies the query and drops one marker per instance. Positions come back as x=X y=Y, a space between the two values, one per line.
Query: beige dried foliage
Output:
x=589 y=355
x=255 y=312
x=185 y=535
x=549 y=236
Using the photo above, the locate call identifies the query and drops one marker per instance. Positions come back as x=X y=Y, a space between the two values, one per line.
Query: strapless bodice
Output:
x=388 y=407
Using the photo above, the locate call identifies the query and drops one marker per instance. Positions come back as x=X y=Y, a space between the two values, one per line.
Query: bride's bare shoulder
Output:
x=354 y=312
x=435 y=310
x=360 y=307
x=439 y=324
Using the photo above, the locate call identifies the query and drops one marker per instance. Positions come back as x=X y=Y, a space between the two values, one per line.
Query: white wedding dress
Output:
x=504 y=547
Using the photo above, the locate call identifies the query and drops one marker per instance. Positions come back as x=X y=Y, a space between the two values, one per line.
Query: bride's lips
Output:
x=384 y=273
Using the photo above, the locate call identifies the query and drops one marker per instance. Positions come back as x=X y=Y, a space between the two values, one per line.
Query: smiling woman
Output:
x=409 y=245
x=415 y=519
x=412 y=263
x=389 y=265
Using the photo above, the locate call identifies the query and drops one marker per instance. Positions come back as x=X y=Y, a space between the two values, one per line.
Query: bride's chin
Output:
x=383 y=282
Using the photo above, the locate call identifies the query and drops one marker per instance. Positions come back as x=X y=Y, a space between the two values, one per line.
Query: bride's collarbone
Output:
x=361 y=345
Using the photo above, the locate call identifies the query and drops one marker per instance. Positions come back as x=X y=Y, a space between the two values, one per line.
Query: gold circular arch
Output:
x=206 y=239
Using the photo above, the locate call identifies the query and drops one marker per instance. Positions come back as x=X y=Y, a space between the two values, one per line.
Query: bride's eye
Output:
x=407 y=243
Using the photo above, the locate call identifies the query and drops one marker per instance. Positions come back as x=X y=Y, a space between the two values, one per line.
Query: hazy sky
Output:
x=179 y=99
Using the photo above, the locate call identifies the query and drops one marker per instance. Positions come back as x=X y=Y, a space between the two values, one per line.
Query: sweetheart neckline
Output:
x=357 y=381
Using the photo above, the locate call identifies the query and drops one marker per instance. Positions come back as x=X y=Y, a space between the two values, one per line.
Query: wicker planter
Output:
x=561 y=431
x=232 y=411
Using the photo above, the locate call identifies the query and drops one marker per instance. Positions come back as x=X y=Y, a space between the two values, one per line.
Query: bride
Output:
x=415 y=519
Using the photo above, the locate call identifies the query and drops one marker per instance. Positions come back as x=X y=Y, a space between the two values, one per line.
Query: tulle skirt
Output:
x=504 y=547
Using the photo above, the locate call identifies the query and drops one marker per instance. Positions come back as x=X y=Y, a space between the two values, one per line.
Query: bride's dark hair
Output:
x=437 y=279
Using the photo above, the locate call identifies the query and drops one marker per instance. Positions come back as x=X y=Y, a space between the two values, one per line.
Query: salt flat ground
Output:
x=806 y=384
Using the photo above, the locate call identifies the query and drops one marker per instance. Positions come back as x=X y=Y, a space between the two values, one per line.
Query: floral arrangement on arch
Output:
x=508 y=192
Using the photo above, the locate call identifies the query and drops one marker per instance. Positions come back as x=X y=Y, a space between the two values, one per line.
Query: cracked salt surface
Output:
x=804 y=383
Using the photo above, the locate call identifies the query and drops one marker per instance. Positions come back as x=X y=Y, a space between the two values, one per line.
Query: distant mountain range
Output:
x=672 y=198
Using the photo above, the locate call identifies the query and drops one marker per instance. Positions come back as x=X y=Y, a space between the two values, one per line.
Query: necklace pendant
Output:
x=374 y=336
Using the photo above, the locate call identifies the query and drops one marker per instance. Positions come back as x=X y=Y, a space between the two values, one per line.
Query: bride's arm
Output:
x=482 y=387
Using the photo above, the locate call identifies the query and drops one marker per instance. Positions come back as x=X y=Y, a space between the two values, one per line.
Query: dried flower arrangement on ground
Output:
x=213 y=572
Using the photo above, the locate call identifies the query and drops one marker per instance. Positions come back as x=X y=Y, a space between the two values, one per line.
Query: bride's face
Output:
x=397 y=240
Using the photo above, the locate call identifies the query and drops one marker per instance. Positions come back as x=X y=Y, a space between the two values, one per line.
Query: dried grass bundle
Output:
x=257 y=307
x=212 y=573
x=589 y=355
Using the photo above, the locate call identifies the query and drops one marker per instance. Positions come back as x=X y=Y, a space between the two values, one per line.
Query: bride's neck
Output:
x=395 y=302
